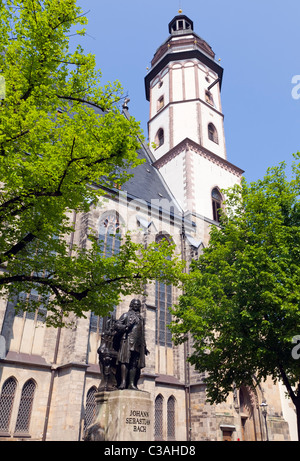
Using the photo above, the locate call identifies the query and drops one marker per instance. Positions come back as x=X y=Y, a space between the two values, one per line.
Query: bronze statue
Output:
x=121 y=357
x=107 y=356
x=122 y=350
x=132 y=350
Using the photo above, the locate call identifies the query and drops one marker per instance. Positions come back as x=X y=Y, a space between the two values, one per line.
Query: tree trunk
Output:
x=297 y=405
x=294 y=395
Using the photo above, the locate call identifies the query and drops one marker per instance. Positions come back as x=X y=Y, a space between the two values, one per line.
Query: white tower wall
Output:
x=186 y=125
x=179 y=106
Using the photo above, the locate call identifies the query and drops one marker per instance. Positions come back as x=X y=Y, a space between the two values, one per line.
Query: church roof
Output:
x=148 y=185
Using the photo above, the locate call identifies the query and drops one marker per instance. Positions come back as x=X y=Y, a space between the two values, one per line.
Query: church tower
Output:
x=186 y=135
x=186 y=124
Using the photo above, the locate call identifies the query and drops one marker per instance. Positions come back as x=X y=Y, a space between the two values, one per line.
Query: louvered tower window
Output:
x=216 y=204
x=212 y=133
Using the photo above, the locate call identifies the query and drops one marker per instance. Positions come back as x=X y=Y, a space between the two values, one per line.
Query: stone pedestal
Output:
x=122 y=415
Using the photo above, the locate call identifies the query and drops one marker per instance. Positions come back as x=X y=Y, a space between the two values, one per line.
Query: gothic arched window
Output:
x=90 y=407
x=216 y=204
x=171 y=418
x=110 y=234
x=212 y=133
x=158 y=418
x=6 y=403
x=109 y=241
x=25 y=408
x=163 y=301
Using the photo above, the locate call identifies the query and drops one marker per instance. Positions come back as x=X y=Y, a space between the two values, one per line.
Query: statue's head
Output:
x=135 y=305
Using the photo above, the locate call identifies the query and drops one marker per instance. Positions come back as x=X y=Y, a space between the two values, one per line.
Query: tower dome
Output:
x=182 y=44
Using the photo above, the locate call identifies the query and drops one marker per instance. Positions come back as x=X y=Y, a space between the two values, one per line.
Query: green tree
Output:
x=242 y=296
x=62 y=139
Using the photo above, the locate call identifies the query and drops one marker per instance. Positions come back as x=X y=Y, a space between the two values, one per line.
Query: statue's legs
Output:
x=133 y=371
x=124 y=372
x=132 y=375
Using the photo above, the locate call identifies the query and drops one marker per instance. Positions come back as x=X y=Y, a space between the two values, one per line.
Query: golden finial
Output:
x=180 y=11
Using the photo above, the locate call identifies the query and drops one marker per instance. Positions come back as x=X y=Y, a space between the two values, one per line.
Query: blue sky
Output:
x=258 y=42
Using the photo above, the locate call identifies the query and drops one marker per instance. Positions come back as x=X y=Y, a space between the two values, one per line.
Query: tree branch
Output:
x=4 y=208
x=69 y=164
x=56 y=287
x=68 y=19
x=83 y=101
x=17 y=247
x=17 y=136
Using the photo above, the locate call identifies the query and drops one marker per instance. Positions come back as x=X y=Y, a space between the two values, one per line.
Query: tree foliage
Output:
x=241 y=302
x=61 y=133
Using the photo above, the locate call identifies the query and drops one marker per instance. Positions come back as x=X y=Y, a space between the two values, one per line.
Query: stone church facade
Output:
x=49 y=377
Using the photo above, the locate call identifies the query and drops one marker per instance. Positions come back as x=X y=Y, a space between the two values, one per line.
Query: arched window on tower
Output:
x=216 y=204
x=212 y=133
x=159 y=138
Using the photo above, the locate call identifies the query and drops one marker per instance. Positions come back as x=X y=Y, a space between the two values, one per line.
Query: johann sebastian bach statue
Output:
x=122 y=350
x=132 y=349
